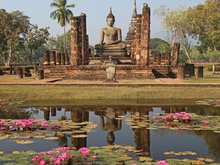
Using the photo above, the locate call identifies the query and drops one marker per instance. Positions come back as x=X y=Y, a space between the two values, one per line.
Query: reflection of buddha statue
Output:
x=110 y=40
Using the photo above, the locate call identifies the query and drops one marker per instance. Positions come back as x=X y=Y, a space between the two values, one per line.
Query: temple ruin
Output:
x=132 y=58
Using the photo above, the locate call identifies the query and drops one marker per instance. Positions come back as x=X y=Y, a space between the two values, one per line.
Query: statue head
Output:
x=110 y=19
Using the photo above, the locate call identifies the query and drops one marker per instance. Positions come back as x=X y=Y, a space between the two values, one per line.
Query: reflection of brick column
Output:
x=78 y=117
x=142 y=135
x=175 y=54
x=145 y=35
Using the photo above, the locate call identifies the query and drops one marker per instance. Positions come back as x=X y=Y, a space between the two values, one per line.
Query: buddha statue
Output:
x=111 y=43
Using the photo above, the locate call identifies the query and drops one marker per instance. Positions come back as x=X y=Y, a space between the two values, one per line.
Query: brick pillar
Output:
x=145 y=35
x=199 y=73
x=52 y=57
x=83 y=39
x=167 y=59
x=175 y=54
x=75 y=41
x=137 y=40
x=58 y=58
x=66 y=58
x=88 y=50
x=154 y=55
x=46 y=57
x=63 y=59
x=180 y=72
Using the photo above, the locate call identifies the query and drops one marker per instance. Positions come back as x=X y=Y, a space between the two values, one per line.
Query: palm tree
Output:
x=63 y=14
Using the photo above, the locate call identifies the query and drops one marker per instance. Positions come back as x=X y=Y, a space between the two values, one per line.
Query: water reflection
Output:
x=113 y=130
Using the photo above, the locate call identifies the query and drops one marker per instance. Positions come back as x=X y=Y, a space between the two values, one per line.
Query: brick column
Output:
x=46 y=57
x=58 y=58
x=83 y=38
x=180 y=72
x=137 y=40
x=75 y=41
x=145 y=35
x=63 y=59
x=53 y=57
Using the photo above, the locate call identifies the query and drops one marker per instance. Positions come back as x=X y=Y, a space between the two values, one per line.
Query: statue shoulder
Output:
x=116 y=28
x=104 y=29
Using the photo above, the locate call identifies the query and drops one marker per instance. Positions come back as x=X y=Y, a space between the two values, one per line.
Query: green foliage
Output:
x=59 y=44
x=211 y=55
x=160 y=46
x=204 y=19
x=63 y=14
x=34 y=41
x=200 y=22
x=13 y=27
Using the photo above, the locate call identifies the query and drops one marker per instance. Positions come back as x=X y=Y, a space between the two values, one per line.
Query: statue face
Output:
x=110 y=21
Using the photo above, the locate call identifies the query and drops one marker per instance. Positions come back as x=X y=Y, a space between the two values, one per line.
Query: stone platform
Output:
x=98 y=72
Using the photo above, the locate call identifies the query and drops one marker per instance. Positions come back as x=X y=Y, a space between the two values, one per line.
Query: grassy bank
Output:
x=73 y=93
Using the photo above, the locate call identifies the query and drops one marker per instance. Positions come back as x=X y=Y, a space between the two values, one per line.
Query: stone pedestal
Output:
x=46 y=57
x=180 y=72
x=110 y=73
x=199 y=73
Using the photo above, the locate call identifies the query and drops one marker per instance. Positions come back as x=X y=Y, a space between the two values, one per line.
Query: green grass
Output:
x=51 y=94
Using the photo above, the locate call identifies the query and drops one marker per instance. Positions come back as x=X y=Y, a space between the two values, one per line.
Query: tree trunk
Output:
x=9 y=56
x=187 y=53
x=64 y=28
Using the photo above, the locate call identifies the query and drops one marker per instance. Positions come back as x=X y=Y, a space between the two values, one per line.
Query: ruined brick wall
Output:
x=79 y=41
x=96 y=72
x=145 y=35
x=141 y=42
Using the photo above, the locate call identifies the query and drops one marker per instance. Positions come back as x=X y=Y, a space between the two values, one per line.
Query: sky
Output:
x=96 y=12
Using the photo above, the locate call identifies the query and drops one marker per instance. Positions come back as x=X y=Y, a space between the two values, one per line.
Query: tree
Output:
x=159 y=45
x=13 y=27
x=177 y=23
x=58 y=42
x=63 y=14
x=34 y=39
x=205 y=21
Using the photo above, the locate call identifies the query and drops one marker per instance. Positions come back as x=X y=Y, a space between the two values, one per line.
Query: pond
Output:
x=137 y=126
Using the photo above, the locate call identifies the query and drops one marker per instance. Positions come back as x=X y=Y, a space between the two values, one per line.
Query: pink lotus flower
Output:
x=42 y=153
x=50 y=152
x=162 y=162
x=42 y=162
x=2 y=122
x=84 y=151
x=94 y=156
x=205 y=122
x=36 y=159
x=44 y=124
